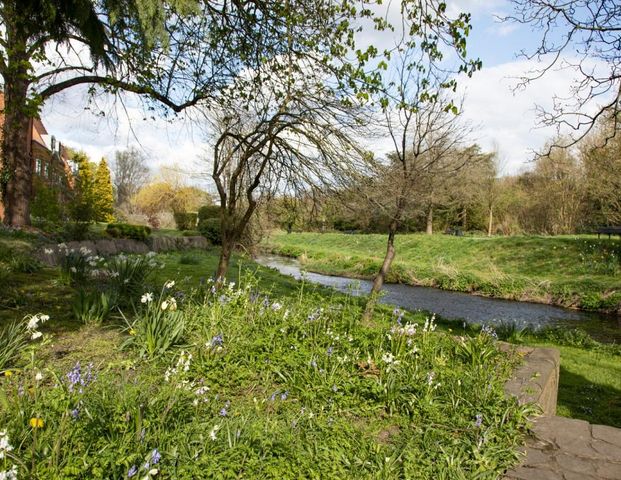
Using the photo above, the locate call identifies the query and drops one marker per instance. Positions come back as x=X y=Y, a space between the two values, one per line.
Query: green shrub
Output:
x=45 y=204
x=189 y=259
x=208 y=211
x=185 y=220
x=76 y=231
x=210 y=229
x=125 y=230
x=191 y=233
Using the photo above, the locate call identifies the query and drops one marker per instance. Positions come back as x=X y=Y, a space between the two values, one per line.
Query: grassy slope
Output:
x=590 y=381
x=574 y=271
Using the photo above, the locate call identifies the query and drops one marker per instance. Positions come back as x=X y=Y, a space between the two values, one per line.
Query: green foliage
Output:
x=211 y=229
x=298 y=378
x=82 y=207
x=158 y=326
x=191 y=233
x=23 y=263
x=45 y=202
x=185 y=220
x=13 y=339
x=208 y=211
x=125 y=230
x=103 y=194
x=565 y=270
x=189 y=259
x=127 y=275
x=91 y=307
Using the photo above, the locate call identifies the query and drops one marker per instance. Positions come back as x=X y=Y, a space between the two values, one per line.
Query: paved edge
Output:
x=536 y=380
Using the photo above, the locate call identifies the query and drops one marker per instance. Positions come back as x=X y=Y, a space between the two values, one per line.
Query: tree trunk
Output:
x=223 y=261
x=16 y=173
x=378 y=282
x=490 y=224
x=430 y=220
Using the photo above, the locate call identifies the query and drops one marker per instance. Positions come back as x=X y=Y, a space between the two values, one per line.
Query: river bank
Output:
x=578 y=272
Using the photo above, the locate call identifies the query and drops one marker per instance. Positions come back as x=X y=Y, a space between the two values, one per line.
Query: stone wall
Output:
x=50 y=254
x=536 y=380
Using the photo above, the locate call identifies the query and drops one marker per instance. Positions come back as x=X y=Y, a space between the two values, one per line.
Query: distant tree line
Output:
x=568 y=191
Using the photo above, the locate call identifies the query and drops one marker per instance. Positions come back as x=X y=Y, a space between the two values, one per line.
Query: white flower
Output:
x=153 y=472
x=44 y=318
x=214 y=432
x=73 y=270
x=151 y=254
x=33 y=322
x=164 y=305
x=9 y=474
x=5 y=446
x=276 y=306
x=388 y=357
x=147 y=297
x=48 y=251
x=169 y=284
x=39 y=376
x=35 y=335
x=173 y=304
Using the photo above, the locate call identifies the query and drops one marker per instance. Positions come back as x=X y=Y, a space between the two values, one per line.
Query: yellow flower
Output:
x=132 y=331
x=36 y=422
x=8 y=373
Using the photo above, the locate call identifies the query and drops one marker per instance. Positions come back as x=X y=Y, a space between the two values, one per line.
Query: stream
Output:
x=460 y=306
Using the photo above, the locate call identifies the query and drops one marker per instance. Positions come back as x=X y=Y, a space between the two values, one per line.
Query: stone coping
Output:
x=536 y=380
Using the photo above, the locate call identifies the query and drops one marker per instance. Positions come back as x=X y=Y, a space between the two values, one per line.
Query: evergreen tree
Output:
x=82 y=207
x=103 y=195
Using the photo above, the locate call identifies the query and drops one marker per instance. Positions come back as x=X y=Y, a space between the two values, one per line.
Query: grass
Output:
x=590 y=383
x=571 y=271
x=247 y=382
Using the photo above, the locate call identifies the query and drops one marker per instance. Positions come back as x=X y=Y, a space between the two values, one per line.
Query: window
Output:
x=38 y=166
x=46 y=172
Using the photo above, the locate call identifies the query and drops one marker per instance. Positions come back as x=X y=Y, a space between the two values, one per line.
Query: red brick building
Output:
x=49 y=158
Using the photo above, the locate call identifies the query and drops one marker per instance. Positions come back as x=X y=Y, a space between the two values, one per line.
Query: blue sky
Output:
x=504 y=120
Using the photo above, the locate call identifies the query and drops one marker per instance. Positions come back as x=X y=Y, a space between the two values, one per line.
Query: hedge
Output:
x=125 y=230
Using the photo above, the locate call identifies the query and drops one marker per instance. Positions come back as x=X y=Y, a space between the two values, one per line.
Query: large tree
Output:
x=131 y=172
x=583 y=38
x=103 y=193
x=174 y=52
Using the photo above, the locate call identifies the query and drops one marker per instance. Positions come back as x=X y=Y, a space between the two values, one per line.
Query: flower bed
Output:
x=230 y=383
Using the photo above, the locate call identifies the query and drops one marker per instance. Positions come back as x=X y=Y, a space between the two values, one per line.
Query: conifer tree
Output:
x=82 y=207
x=103 y=195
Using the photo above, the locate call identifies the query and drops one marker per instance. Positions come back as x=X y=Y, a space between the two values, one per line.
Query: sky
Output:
x=504 y=119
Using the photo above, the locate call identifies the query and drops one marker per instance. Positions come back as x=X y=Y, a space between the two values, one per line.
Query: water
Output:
x=461 y=306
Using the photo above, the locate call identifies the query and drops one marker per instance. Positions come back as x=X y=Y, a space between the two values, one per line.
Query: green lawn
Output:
x=590 y=378
x=572 y=271
x=267 y=378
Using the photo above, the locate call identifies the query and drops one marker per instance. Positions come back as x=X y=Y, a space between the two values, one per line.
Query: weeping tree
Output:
x=293 y=134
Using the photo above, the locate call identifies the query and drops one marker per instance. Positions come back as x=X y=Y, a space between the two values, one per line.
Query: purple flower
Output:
x=479 y=420
x=254 y=297
x=273 y=397
x=329 y=351
x=283 y=396
x=217 y=341
x=77 y=380
x=132 y=471
x=155 y=457
x=75 y=413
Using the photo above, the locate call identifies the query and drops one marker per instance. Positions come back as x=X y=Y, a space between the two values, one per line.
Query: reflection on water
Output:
x=457 y=305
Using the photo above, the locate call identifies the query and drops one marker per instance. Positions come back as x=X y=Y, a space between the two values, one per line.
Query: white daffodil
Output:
x=170 y=284
x=147 y=297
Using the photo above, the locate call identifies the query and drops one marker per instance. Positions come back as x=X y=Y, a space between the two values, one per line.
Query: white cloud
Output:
x=116 y=126
x=506 y=117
